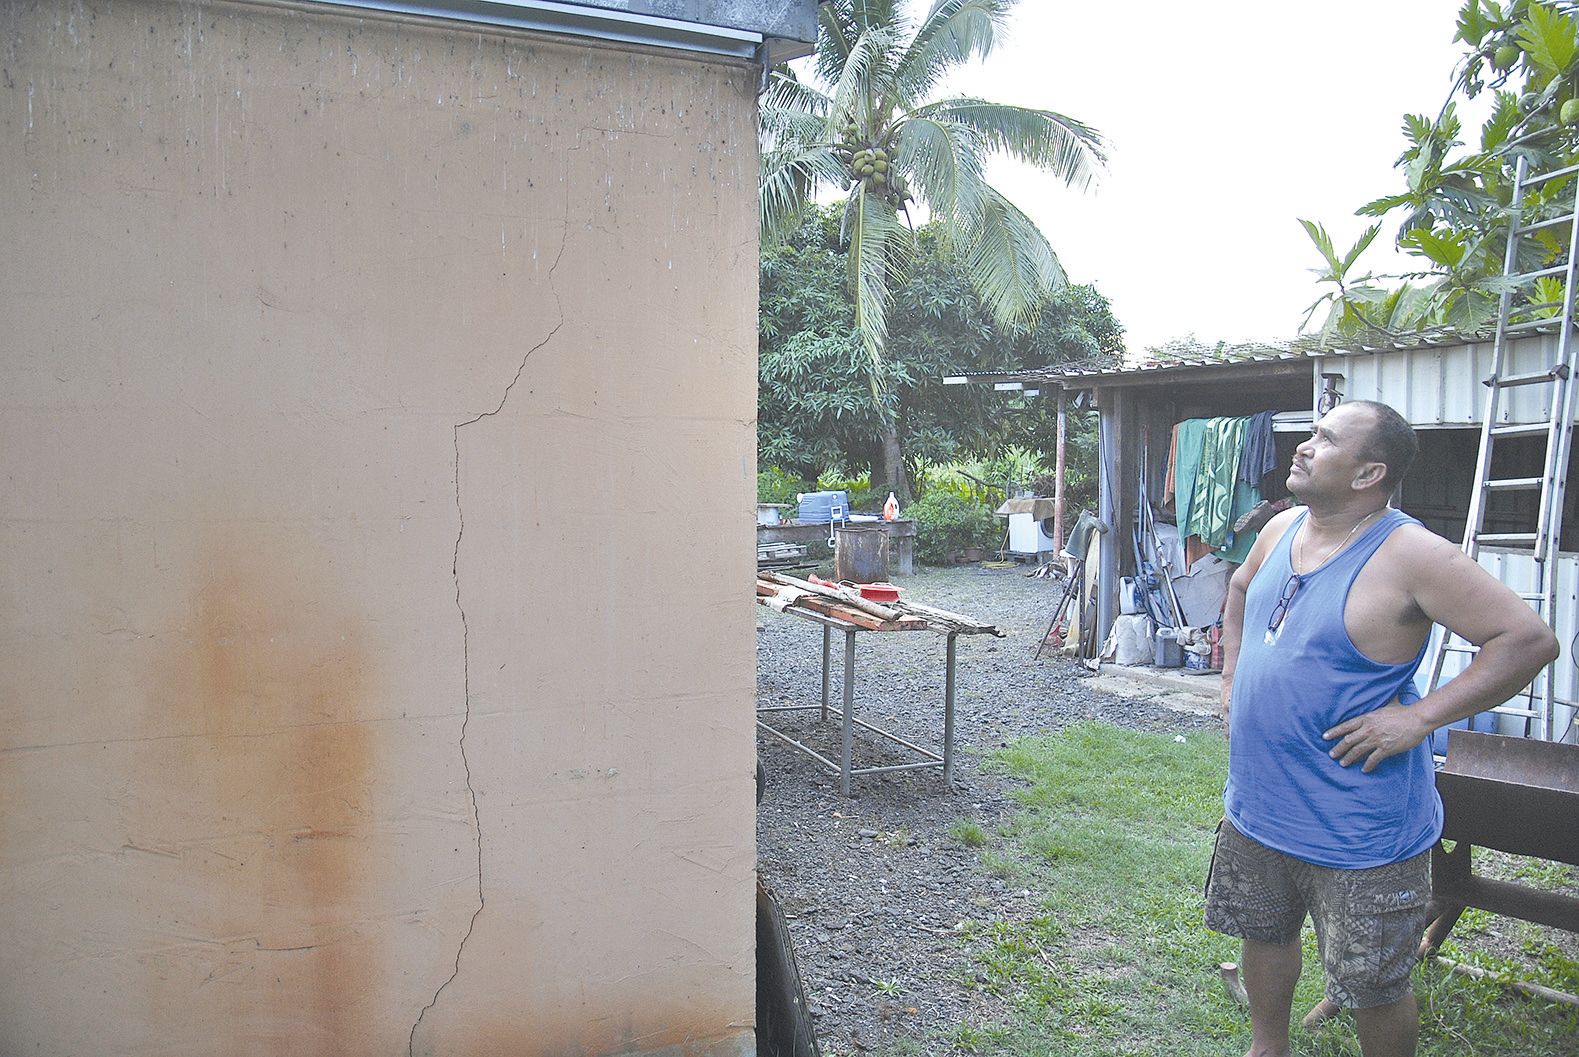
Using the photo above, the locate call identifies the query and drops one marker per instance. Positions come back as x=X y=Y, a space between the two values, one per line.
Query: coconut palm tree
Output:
x=867 y=124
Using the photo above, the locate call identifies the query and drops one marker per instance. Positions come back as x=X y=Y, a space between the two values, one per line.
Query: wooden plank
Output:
x=968 y=624
x=854 y=616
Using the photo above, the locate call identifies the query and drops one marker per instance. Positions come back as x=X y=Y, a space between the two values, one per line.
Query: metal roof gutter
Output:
x=595 y=23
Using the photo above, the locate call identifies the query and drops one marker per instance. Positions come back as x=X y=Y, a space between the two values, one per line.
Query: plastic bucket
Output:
x=860 y=554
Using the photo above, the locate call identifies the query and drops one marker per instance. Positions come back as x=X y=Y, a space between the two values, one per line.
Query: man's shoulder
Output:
x=1411 y=542
x=1274 y=529
x=1413 y=555
x=1266 y=539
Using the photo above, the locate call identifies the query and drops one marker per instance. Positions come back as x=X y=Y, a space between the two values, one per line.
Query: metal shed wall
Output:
x=1441 y=385
x=1518 y=572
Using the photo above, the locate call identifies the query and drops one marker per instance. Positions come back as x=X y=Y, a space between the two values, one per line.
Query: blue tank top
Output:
x=1283 y=790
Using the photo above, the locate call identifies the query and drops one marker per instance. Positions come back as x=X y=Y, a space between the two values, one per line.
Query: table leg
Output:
x=948 y=717
x=827 y=652
x=849 y=712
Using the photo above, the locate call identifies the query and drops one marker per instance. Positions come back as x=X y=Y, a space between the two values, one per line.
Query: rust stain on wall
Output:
x=263 y=691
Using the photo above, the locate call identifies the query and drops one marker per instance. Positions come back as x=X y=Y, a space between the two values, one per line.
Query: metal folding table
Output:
x=848 y=720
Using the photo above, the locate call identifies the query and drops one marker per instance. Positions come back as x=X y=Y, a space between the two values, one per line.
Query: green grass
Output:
x=968 y=832
x=1114 y=834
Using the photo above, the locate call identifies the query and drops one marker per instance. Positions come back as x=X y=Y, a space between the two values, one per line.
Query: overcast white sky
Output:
x=1227 y=120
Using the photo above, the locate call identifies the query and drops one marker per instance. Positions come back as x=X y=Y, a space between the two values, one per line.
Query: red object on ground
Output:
x=879 y=592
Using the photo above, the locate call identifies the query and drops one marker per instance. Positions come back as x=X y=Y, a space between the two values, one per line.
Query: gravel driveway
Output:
x=873 y=884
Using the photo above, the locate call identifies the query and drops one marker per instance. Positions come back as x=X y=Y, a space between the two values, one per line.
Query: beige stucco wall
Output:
x=376 y=462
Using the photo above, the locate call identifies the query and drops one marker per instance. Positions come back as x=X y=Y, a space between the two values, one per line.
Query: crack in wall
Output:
x=455 y=565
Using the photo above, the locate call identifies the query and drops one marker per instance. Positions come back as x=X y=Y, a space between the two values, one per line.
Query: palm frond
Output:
x=880 y=252
x=789 y=179
x=792 y=112
x=843 y=24
x=1009 y=261
x=943 y=161
x=867 y=74
x=787 y=92
x=1046 y=139
x=953 y=32
x=835 y=37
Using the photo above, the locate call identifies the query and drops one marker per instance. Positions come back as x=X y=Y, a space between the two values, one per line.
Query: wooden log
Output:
x=1533 y=990
x=1236 y=987
x=1320 y=1013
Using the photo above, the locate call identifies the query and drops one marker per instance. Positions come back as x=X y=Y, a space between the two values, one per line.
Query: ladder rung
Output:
x=1531 y=324
x=1559 y=269
x=1528 y=429
x=1510 y=381
x=1534 y=598
x=1535 y=178
x=1541 y=225
x=1453 y=647
x=1508 y=537
x=1515 y=484
x=1510 y=710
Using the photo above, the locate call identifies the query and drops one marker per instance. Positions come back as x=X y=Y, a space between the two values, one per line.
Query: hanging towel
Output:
x=1212 y=502
x=1191 y=438
x=1260 y=455
x=1173 y=455
x=1237 y=549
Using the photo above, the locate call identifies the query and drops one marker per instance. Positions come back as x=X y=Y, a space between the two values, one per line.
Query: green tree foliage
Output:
x=1457 y=199
x=866 y=124
x=817 y=405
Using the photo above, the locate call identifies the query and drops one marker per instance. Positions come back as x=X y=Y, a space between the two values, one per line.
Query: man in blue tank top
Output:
x=1331 y=806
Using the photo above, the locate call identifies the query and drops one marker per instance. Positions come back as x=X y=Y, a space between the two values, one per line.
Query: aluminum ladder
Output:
x=1536 y=704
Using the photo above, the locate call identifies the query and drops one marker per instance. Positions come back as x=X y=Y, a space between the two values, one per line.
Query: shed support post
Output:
x=1058 y=472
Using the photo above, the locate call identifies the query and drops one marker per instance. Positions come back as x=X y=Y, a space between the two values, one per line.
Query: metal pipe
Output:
x=948 y=717
x=1058 y=473
x=880 y=732
x=1110 y=426
x=808 y=750
x=827 y=654
x=894 y=767
x=849 y=713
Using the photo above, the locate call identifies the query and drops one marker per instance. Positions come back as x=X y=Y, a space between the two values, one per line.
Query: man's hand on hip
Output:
x=1388 y=731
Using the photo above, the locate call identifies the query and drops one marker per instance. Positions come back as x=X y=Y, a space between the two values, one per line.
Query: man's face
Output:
x=1331 y=461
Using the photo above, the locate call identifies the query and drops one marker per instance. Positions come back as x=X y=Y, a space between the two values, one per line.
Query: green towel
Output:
x=1239 y=543
x=1212 y=501
x=1187 y=462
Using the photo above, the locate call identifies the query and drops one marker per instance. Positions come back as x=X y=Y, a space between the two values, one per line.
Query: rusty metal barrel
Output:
x=860 y=554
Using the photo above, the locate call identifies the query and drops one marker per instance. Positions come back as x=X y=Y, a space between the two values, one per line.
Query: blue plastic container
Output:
x=819 y=508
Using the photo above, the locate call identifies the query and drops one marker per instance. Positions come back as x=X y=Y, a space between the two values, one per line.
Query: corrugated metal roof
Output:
x=1189 y=356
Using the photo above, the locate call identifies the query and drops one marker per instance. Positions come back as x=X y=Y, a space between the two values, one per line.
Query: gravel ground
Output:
x=873 y=884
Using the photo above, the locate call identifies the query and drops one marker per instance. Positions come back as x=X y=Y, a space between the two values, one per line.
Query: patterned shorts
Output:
x=1368 y=922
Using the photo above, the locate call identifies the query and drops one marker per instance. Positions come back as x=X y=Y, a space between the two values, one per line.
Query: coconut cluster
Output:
x=872 y=165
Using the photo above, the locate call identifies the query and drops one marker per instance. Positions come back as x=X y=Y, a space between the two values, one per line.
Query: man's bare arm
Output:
x=1454 y=591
